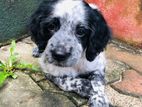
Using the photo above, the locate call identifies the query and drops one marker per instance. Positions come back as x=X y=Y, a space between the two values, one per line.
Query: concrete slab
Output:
x=24 y=92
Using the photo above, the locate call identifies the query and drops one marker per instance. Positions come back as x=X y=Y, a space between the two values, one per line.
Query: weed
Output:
x=8 y=67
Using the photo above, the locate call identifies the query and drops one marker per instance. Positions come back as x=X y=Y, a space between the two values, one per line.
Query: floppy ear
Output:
x=99 y=36
x=35 y=24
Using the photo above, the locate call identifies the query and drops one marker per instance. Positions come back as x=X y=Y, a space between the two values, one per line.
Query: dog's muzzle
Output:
x=61 y=53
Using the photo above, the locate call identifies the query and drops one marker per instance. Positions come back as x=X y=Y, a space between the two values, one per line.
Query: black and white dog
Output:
x=71 y=37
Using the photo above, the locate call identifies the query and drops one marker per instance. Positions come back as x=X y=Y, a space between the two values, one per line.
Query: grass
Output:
x=8 y=67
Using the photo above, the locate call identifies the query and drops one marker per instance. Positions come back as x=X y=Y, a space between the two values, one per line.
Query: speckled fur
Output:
x=83 y=72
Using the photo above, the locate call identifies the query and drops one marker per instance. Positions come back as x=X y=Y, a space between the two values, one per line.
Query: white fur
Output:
x=72 y=9
x=93 y=6
x=83 y=66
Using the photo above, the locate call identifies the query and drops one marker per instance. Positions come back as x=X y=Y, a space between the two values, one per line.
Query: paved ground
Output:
x=31 y=89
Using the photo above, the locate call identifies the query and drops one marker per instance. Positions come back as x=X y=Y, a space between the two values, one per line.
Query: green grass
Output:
x=8 y=67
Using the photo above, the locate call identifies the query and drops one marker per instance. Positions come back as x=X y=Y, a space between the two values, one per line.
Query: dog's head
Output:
x=66 y=29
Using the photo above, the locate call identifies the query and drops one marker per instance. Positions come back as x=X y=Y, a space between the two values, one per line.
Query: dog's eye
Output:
x=51 y=27
x=80 y=31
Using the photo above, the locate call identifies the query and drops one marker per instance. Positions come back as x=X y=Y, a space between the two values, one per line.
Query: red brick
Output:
x=131 y=84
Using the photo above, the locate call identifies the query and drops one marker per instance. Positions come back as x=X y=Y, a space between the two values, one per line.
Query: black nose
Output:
x=60 y=53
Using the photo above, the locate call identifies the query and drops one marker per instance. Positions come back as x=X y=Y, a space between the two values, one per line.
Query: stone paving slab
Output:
x=114 y=69
x=19 y=92
x=131 y=84
x=133 y=60
x=55 y=100
x=24 y=92
x=120 y=100
x=39 y=76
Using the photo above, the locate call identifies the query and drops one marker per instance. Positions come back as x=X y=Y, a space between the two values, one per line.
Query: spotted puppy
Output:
x=71 y=37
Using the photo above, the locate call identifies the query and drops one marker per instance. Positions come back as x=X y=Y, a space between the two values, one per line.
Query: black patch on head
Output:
x=82 y=33
x=49 y=26
x=99 y=35
x=36 y=26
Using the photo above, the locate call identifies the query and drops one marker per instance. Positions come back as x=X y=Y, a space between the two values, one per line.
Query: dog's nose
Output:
x=60 y=53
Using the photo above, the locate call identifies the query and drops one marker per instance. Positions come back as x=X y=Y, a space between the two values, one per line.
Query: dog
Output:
x=71 y=36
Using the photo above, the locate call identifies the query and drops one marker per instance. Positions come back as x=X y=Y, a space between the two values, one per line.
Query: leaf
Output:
x=36 y=69
x=3 y=76
x=2 y=65
x=1 y=62
x=13 y=57
x=14 y=76
x=12 y=47
x=24 y=65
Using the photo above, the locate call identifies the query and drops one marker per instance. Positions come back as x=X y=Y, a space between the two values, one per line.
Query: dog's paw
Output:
x=36 y=52
x=98 y=101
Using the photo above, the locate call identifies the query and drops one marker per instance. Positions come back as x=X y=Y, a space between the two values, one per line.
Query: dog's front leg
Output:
x=98 y=97
x=92 y=88
x=80 y=86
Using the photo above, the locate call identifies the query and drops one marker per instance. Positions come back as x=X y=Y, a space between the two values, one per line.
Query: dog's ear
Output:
x=99 y=36
x=35 y=23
